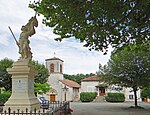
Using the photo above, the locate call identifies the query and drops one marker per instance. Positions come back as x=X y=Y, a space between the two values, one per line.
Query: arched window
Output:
x=60 y=68
x=52 y=68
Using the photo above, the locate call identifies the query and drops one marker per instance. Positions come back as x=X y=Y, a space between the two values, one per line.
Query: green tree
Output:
x=145 y=92
x=102 y=70
x=130 y=68
x=5 y=78
x=41 y=88
x=78 y=77
x=97 y=23
x=40 y=81
x=42 y=75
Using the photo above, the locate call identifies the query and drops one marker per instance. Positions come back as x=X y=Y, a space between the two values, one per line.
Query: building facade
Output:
x=93 y=84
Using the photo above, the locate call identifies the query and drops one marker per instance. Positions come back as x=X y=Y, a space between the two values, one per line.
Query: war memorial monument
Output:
x=23 y=73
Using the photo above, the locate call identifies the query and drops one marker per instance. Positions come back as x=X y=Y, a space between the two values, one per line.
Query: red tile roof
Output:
x=70 y=83
x=92 y=78
x=54 y=58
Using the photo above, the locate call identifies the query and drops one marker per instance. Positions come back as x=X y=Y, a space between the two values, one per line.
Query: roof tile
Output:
x=92 y=78
x=70 y=83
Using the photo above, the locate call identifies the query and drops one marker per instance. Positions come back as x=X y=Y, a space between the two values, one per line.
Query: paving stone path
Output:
x=106 y=108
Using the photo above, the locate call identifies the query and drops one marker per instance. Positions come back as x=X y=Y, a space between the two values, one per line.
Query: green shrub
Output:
x=87 y=96
x=145 y=92
x=4 y=97
x=115 y=97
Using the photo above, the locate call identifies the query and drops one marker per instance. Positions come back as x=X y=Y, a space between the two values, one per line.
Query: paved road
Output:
x=109 y=108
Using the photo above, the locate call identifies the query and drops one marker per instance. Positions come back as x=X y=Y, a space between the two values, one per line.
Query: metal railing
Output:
x=54 y=108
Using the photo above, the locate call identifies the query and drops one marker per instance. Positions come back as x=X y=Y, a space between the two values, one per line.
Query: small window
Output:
x=130 y=96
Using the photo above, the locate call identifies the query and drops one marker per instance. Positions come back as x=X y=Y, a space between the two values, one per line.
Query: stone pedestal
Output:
x=22 y=87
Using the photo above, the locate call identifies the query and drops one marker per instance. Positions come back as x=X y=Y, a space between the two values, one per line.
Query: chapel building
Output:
x=62 y=89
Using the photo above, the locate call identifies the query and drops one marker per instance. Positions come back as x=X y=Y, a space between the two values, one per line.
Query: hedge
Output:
x=87 y=96
x=4 y=97
x=115 y=97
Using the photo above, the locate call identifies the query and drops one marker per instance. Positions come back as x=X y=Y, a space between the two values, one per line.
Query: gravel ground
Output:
x=106 y=108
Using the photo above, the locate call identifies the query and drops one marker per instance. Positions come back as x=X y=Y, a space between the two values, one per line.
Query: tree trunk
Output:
x=135 y=96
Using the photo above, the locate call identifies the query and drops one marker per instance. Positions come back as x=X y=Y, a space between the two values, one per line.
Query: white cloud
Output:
x=77 y=59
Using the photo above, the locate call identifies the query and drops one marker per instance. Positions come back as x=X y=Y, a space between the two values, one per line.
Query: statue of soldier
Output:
x=27 y=31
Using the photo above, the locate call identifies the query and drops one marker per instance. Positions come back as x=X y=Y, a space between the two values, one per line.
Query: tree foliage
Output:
x=5 y=78
x=102 y=69
x=78 y=77
x=4 y=97
x=42 y=75
x=145 y=92
x=130 y=68
x=97 y=23
x=40 y=80
x=41 y=88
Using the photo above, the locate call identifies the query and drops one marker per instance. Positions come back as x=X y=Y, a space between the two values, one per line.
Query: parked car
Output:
x=44 y=103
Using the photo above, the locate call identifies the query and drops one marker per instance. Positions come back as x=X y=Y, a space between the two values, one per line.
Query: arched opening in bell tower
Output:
x=52 y=68
x=60 y=68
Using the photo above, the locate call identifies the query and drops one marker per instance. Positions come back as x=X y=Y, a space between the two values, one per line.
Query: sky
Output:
x=77 y=59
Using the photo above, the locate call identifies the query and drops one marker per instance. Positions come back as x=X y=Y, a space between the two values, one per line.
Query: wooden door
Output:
x=101 y=91
x=52 y=97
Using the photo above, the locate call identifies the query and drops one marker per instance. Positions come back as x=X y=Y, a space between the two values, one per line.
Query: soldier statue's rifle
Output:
x=13 y=36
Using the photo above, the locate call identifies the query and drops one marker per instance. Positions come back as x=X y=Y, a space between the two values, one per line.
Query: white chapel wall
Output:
x=89 y=86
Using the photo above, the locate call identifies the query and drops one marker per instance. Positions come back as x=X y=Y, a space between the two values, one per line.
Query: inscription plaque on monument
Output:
x=19 y=85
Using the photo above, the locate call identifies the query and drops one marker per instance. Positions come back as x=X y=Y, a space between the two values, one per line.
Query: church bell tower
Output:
x=55 y=68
